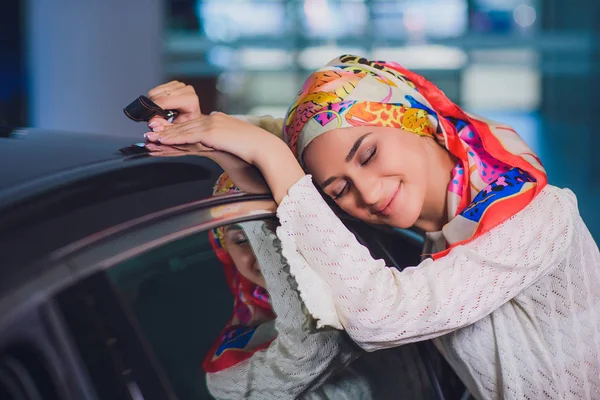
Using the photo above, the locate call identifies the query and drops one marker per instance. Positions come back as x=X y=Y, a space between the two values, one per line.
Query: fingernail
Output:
x=152 y=125
x=150 y=136
x=158 y=128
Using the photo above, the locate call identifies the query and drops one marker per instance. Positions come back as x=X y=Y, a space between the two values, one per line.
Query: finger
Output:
x=173 y=92
x=174 y=139
x=196 y=125
x=158 y=133
x=181 y=99
x=173 y=85
x=157 y=123
x=184 y=100
x=153 y=147
x=165 y=89
x=187 y=130
x=195 y=131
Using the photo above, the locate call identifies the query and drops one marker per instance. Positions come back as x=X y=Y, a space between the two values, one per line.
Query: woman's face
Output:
x=376 y=174
x=243 y=257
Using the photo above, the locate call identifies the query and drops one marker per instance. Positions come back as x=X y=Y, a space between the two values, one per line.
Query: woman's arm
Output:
x=382 y=307
x=297 y=359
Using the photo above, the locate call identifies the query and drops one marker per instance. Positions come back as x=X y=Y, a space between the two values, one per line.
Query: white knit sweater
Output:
x=516 y=311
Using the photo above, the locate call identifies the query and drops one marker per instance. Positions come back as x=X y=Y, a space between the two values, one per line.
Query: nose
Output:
x=368 y=189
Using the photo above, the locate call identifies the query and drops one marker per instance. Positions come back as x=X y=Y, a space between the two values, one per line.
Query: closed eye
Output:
x=369 y=154
x=341 y=192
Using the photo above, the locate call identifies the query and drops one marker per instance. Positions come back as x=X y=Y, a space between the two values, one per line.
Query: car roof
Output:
x=58 y=187
x=36 y=161
x=28 y=154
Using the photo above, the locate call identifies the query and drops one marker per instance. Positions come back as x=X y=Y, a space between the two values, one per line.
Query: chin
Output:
x=403 y=219
x=401 y=224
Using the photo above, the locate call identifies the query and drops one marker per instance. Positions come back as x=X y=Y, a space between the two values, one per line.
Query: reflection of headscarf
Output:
x=497 y=174
x=251 y=307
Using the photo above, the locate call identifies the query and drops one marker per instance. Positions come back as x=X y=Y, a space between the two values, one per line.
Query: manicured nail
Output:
x=152 y=125
x=150 y=136
x=158 y=128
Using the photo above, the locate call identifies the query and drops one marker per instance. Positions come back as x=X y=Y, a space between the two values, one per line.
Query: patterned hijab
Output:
x=497 y=174
x=251 y=306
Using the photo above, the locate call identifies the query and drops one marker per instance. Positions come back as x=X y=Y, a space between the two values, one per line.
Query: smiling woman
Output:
x=508 y=293
x=385 y=170
x=242 y=255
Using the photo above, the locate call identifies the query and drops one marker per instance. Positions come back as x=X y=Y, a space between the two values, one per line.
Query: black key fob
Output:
x=143 y=109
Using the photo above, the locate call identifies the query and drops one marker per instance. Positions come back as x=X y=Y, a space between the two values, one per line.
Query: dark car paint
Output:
x=81 y=185
x=26 y=154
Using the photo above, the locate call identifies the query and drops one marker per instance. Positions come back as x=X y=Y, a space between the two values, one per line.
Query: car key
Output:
x=144 y=109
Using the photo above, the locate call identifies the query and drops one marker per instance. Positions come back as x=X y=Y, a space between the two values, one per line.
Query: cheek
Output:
x=415 y=182
x=242 y=257
x=362 y=213
x=408 y=162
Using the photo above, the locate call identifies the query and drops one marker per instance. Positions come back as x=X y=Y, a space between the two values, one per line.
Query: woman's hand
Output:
x=178 y=96
x=242 y=139
x=218 y=132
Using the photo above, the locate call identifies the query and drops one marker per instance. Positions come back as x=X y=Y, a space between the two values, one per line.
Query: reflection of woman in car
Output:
x=235 y=241
x=256 y=355
x=510 y=292
x=252 y=306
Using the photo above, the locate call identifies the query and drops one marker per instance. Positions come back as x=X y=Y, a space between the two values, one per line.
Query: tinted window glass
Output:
x=180 y=297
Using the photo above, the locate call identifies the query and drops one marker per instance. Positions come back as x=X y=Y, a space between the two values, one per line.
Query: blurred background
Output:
x=73 y=65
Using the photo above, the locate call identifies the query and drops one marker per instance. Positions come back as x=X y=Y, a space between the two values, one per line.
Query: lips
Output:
x=388 y=205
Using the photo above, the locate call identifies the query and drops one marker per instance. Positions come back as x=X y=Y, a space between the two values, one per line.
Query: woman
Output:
x=510 y=292
x=250 y=328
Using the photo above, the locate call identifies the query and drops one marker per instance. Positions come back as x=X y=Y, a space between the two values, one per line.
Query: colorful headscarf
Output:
x=251 y=307
x=497 y=174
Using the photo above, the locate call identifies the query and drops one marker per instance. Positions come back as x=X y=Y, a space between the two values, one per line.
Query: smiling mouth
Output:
x=386 y=211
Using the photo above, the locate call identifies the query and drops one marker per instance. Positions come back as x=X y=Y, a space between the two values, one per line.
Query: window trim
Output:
x=120 y=243
x=154 y=217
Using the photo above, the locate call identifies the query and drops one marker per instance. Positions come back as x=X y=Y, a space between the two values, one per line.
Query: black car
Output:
x=109 y=288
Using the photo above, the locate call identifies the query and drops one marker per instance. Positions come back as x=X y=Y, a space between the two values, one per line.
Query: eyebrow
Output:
x=355 y=147
x=349 y=158
x=234 y=228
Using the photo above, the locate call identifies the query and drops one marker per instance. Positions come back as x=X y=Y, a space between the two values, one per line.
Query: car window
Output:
x=224 y=319
x=181 y=299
